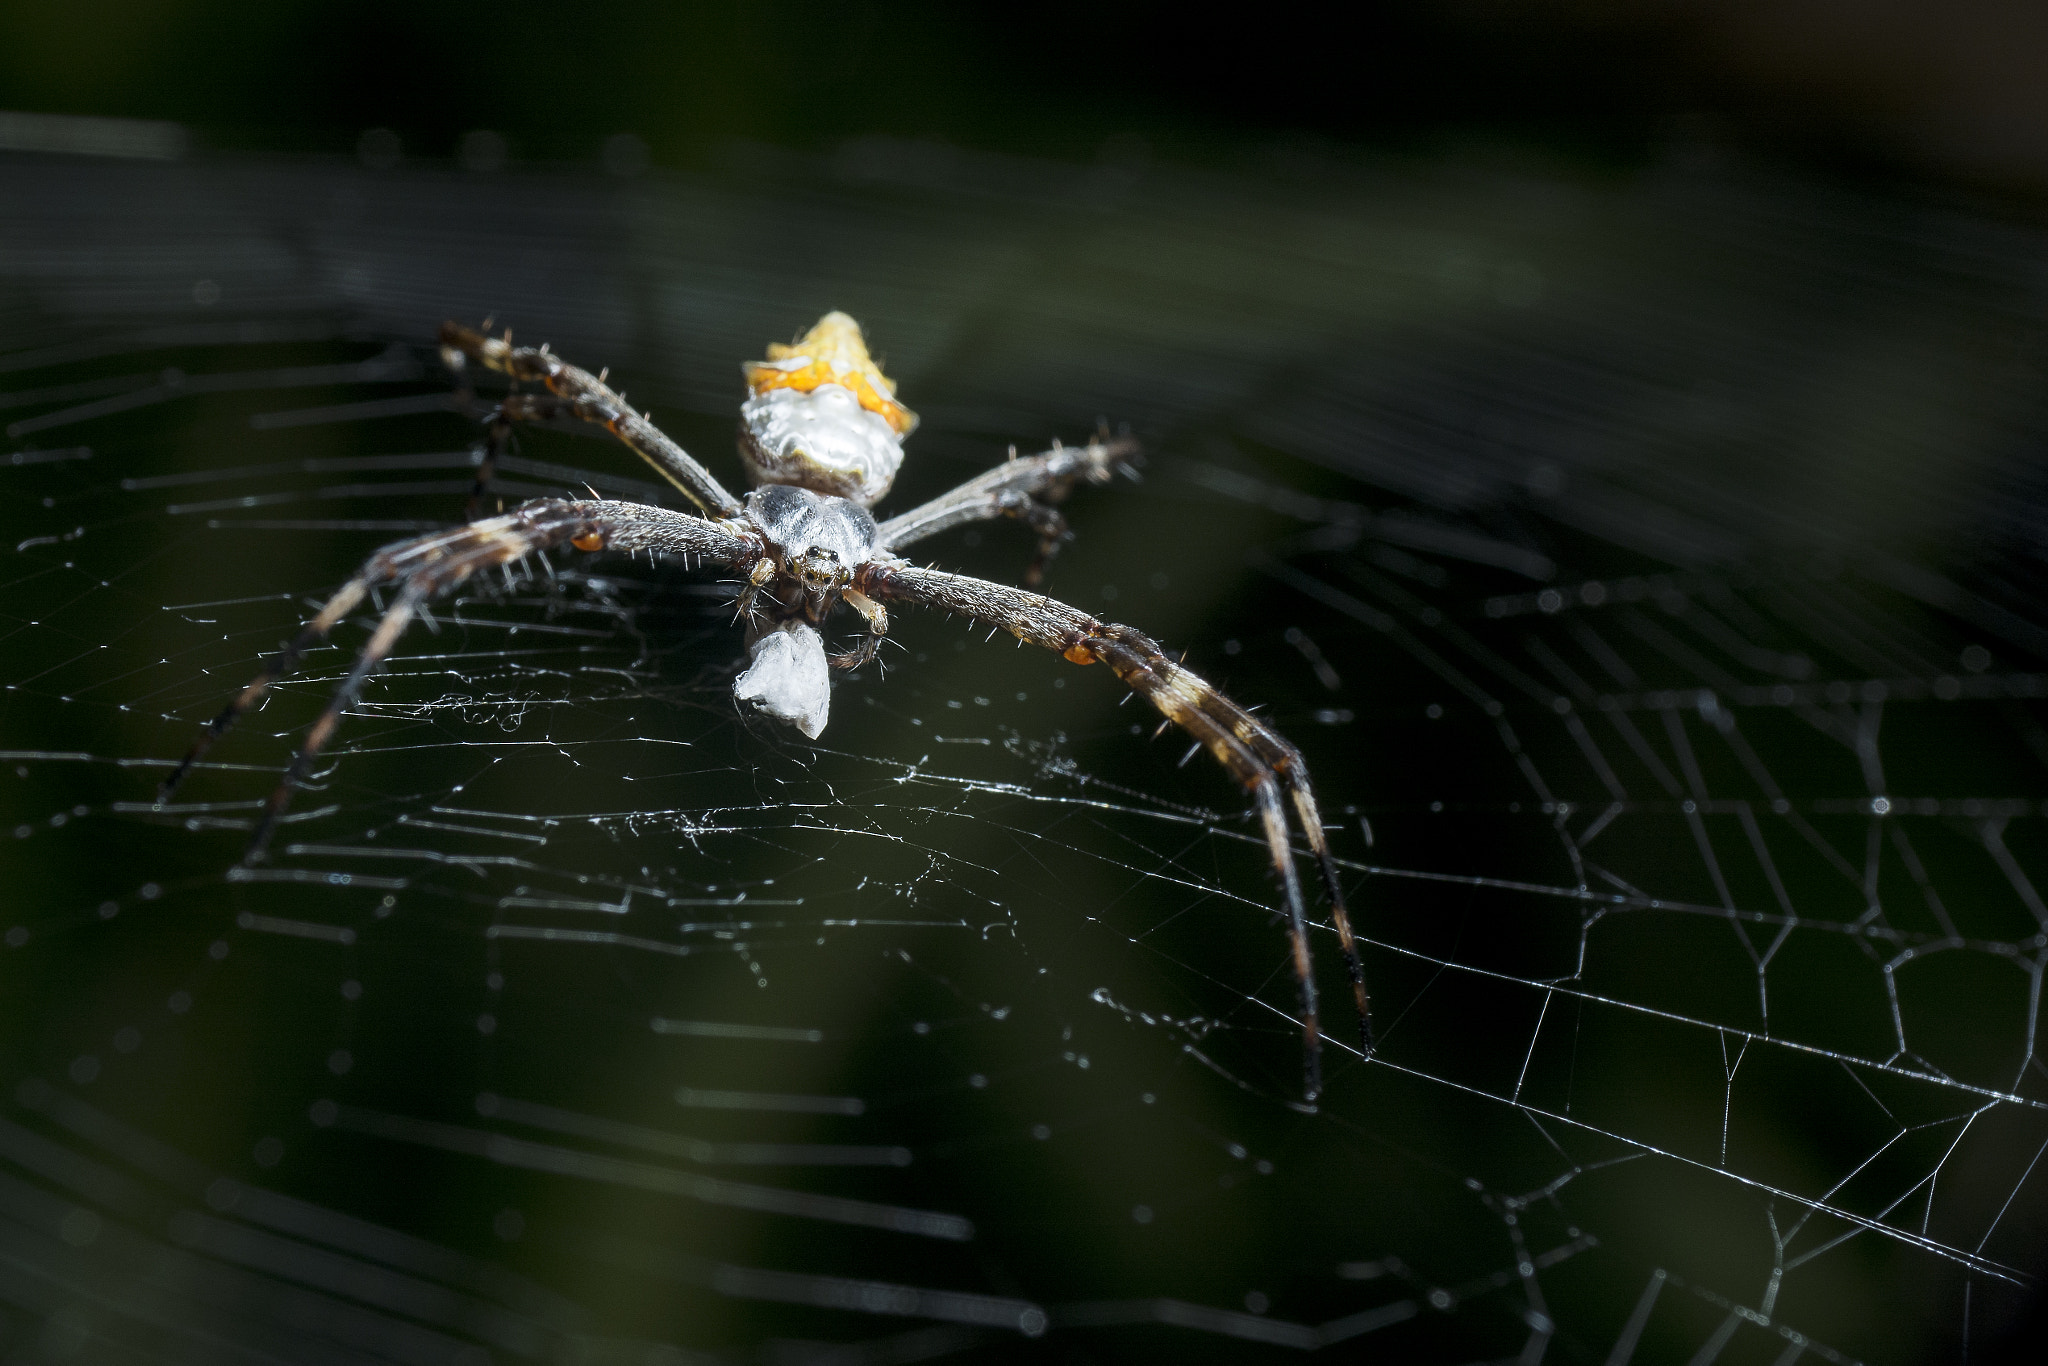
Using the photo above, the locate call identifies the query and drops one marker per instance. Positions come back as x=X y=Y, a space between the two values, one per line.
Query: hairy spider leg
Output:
x=427 y=566
x=498 y=433
x=1287 y=765
x=592 y=401
x=423 y=567
x=1043 y=515
x=284 y=662
x=1354 y=965
x=1026 y=489
x=393 y=562
x=1261 y=761
x=389 y=628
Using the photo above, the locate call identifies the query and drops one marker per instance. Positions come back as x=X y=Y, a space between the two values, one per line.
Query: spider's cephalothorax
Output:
x=815 y=542
x=821 y=437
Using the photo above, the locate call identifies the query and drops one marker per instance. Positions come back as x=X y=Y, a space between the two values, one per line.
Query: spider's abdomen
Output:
x=823 y=416
x=797 y=521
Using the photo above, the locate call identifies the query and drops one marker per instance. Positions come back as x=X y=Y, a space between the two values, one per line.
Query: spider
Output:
x=821 y=437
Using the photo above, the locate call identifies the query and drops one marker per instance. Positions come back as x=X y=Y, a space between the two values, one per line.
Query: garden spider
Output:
x=821 y=437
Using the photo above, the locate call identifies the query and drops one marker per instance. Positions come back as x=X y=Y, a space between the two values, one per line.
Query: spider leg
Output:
x=497 y=431
x=1025 y=489
x=427 y=566
x=389 y=628
x=285 y=662
x=590 y=399
x=1296 y=778
x=1051 y=526
x=1264 y=763
x=497 y=436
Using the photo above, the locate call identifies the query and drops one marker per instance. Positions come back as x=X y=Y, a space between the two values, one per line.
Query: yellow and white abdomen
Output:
x=823 y=416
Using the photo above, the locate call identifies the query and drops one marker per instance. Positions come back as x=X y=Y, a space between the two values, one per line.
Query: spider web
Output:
x=1649 y=572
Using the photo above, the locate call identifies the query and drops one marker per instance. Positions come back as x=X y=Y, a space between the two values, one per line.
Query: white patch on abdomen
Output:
x=822 y=440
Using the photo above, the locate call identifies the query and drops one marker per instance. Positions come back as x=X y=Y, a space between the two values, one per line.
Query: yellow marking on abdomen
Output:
x=833 y=352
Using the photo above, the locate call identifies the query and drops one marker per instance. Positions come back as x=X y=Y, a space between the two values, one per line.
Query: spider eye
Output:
x=819 y=568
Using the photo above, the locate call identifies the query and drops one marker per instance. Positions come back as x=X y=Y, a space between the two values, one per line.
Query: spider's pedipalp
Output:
x=1253 y=753
x=877 y=618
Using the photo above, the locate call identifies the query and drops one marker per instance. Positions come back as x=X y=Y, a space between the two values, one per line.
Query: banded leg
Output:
x=1264 y=763
x=592 y=401
x=427 y=566
x=284 y=663
x=1026 y=489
